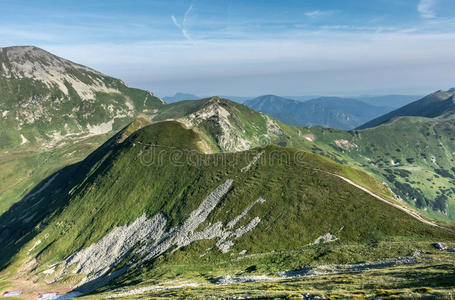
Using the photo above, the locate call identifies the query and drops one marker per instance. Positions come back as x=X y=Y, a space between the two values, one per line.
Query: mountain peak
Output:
x=35 y=63
x=214 y=99
x=65 y=99
x=24 y=48
x=22 y=54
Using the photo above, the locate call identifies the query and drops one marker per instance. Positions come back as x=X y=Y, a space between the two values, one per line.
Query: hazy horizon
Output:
x=249 y=48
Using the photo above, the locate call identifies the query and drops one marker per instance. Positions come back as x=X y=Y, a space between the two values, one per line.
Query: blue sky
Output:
x=300 y=47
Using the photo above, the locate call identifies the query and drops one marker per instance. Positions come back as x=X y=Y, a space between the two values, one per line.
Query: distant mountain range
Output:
x=334 y=112
x=431 y=106
x=390 y=101
x=180 y=97
x=330 y=112
x=187 y=96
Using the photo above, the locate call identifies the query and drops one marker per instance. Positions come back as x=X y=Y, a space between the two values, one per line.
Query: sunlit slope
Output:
x=54 y=112
x=413 y=155
x=46 y=100
x=138 y=200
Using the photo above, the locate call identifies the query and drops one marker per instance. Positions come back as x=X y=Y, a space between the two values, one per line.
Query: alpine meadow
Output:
x=237 y=150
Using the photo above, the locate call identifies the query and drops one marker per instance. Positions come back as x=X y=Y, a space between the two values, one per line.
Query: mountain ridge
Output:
x=434 y=105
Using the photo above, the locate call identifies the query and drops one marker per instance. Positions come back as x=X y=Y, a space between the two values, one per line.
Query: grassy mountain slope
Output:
x=186 y=207
x=234 y=127
x=46 y=100
x=413 y=155
x=54 y=112
x=325 y=111
x=21 y=171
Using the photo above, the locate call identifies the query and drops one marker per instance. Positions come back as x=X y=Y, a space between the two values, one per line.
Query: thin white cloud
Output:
x=426 y=8
x=187 y=13
x=318 y=13
x=182 y=26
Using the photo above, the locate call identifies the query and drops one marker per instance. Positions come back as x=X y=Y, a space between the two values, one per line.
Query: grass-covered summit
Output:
x=145 y=201
x=412 y=155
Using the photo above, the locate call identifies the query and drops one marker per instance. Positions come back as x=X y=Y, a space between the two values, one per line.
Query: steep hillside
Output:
x=53 y=113
x=46 y=100
x=431 y=106
x=413 y=155
x=145 y=204
x=325 y=111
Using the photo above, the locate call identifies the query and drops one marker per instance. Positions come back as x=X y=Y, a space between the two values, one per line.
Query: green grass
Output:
x=113 y=187
x=432 y=277
x=410 y=143
x=24 y=170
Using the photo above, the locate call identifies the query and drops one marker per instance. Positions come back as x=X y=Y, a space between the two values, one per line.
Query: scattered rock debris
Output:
x=323 y=239
x=12 y=294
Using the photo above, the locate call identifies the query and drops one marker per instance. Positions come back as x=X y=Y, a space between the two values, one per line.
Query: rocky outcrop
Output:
x=226 y=124
x=97 y=259
x=146 y=239
x=229 y=139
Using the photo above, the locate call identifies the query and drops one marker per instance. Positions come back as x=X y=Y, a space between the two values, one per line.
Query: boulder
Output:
x=440 y=246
